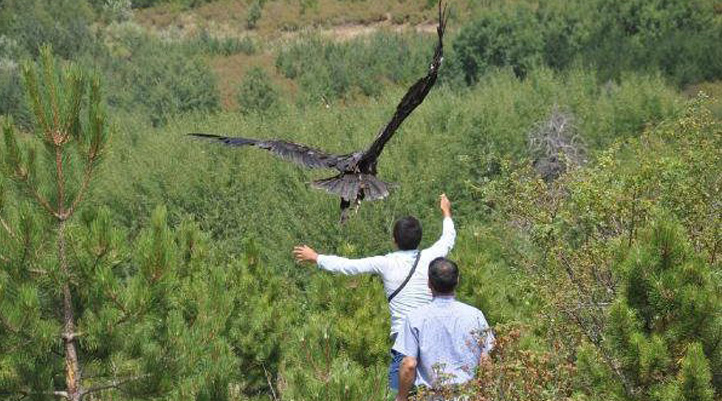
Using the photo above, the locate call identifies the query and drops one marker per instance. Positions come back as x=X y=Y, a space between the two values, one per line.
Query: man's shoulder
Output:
x=468 y=310
x=419 y=313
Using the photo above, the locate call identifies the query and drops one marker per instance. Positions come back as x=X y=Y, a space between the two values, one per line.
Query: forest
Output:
x=580 y=143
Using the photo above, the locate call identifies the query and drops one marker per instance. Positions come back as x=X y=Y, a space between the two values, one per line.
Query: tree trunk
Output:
x=72 y=368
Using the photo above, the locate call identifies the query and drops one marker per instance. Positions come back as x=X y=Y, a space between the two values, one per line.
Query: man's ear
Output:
x=431 y=287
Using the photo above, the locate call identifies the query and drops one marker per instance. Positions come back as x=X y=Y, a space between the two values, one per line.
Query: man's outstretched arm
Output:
x=448 y=233
x=407 y=375
x=338 y=264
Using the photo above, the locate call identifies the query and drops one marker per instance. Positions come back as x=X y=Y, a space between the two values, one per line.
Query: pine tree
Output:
x=665 y=328
x=67 y=112
x=86 y=311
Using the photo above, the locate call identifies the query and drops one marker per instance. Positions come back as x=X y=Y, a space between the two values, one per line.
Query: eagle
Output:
x=356 y=178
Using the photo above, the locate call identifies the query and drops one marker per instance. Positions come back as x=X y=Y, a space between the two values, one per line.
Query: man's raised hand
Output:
x=445 y=205
x=304 y=253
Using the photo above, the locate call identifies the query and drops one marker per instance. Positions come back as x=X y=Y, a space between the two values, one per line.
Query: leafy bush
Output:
x=64 y=24
x=257 y=93
x=12 y=99
x=676 y=37
x=160 y=87
x=634 y=320
x=498 y=39
x=664 y=328
x=254 y=14
x=331 y=70
x=206 y=43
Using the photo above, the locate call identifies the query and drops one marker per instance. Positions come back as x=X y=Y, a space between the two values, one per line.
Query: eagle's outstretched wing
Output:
x=300 y=154
x=415 y=94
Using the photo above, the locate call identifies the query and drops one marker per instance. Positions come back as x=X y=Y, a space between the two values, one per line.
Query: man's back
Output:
x=393 y=268
x=447 y=337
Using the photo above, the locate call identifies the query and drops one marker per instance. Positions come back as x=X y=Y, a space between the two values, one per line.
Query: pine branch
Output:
x=115 y=384
x=83 y=188
x=8 y=229
x=42 y=201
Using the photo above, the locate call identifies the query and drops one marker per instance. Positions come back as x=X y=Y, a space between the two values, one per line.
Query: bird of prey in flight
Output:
x=356 y=179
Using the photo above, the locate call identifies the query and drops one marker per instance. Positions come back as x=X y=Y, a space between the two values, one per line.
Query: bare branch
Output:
x=268 y=380
x=27 y=393
x=70 y=336
x=114 y=384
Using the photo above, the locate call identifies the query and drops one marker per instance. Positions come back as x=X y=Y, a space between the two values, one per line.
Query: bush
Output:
x=508 y=37
x=678 y=38
x=254 y=14
x=208 y=44
x=634 y=294
x=328 y=70
x=12 y=99
x=664 y=327
x=256 y=93
x=160 y=87
x=64 y=24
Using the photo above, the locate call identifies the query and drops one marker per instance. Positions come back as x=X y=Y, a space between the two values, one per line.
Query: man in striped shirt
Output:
x=396 y=269
x=444 y=340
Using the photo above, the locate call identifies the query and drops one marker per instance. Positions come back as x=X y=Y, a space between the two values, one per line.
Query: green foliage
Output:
x=64 y=24
x=257 y=93
x=206 y=43
x=500 y=38
x=582 y=226
x=254 y=14
x=668 y=312
x=178 y=82
x=326 y=71
x=12 y=100
x=199 y=299
x=677 y=38
x=182 y=3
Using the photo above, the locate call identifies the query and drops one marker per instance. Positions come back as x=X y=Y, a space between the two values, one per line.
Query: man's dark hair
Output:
x=407 y=233
x=443 y=275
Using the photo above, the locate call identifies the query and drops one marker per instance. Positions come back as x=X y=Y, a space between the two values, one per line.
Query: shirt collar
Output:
x=444 y=299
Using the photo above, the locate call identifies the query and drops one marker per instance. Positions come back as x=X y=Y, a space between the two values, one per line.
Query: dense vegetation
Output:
x=585 y=186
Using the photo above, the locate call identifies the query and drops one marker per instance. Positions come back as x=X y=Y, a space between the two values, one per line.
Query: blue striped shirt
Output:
x=447 y=337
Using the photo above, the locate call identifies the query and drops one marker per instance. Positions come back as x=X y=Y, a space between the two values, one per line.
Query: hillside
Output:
x=578 y=141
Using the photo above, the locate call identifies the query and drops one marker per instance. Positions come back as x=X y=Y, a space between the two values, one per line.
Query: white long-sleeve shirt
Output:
x=393 y=269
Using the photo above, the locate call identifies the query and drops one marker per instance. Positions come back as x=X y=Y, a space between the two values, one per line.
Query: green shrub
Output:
x=507 y=37
x=327 y=70
x=633 y=290
x=12 y=99
x=678 y=38
x=159 y=87
x=257 y=93
x=206 y=43
x=664 y=328
x=254 y=14
x=64 y=24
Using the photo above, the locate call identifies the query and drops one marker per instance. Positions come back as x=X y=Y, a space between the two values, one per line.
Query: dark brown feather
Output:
x=302 y=155
x=413 y=97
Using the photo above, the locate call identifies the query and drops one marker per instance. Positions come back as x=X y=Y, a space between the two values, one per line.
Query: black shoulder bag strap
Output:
x=411 y=273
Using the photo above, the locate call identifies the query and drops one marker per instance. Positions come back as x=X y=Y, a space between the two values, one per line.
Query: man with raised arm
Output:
x=404 y=272
x=444 y=340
